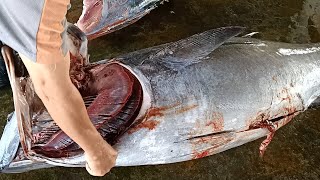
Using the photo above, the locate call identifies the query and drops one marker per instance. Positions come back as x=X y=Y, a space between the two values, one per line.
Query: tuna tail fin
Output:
x=180 y=54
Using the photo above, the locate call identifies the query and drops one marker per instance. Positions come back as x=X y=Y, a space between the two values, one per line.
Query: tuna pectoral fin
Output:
x=180 y=54
x=193 y=49
x=200 y=45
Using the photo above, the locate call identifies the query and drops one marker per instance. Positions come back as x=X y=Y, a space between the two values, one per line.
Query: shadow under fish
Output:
x=174 y=102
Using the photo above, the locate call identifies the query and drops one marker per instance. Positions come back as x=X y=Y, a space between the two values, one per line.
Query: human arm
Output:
x=64 y=103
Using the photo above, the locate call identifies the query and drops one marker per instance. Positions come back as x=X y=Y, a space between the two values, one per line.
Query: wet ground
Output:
x=295 y=150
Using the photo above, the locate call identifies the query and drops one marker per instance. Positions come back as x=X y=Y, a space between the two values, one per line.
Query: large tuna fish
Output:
x=200 y=96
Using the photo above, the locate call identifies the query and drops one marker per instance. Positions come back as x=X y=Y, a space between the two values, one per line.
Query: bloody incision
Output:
x=271 y=128
x=113 y=97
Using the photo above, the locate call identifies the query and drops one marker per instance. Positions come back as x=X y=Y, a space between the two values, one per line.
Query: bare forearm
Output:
x=64 y=103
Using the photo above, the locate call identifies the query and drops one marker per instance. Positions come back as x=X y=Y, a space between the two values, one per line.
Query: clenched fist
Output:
x=100 y=161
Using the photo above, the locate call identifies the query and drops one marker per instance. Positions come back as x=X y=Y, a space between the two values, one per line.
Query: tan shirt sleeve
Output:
x=50 y=34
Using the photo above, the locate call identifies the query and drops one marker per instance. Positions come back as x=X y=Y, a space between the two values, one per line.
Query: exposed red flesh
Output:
x=113 y=87
x=92 y=15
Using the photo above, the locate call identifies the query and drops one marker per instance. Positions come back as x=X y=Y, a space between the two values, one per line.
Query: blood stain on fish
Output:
x=213 y=142
x=187 y=108
x=150 y=125
x=159 y=111
x=155 y=112
x=217 y=122
x=201 y=155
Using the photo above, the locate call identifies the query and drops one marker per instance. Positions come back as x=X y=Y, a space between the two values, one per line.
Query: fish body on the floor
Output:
x=203 y=95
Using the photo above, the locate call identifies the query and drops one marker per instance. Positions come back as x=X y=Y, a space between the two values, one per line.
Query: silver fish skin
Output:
x=208 y=93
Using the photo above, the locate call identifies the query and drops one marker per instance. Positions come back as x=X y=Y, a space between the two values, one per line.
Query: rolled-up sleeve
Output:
x=51 y=31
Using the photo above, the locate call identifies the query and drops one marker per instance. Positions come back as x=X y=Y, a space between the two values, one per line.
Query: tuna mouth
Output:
x=112 y=94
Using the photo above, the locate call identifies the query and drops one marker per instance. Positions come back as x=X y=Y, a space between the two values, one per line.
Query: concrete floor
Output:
x=295 y=150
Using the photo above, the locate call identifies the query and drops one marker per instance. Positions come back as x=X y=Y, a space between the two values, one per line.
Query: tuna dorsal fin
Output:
x=182 y=53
